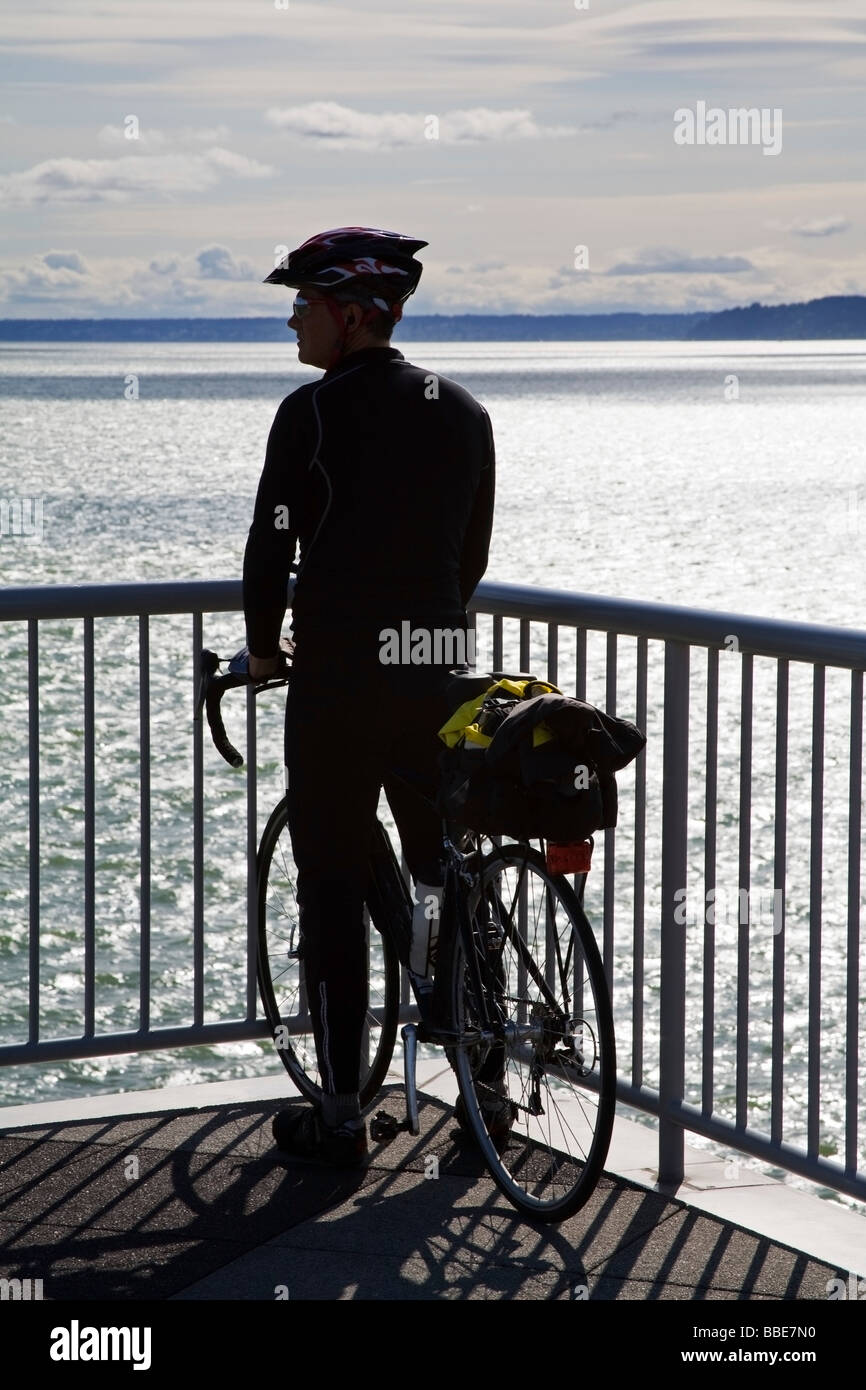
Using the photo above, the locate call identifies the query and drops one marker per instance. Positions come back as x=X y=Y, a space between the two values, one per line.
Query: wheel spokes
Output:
x=550 y=1065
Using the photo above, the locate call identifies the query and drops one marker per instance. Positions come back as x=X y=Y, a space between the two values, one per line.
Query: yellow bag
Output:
x=475 y=722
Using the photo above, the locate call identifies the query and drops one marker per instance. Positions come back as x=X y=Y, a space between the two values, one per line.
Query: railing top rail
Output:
x=794 y=641
x=121 y=600
x=702 y=627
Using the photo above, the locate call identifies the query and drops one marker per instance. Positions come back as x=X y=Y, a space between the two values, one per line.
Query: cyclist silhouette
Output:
x=383 y=474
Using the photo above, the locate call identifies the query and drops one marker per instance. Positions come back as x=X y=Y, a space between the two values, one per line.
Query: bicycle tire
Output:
x=280 y=972
x=537 y=1067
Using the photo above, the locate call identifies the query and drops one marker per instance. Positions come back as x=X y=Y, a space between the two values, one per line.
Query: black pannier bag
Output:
x=524 y=760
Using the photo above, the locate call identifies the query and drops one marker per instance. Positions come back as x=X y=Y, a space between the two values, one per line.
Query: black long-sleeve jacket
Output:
x=385 y=474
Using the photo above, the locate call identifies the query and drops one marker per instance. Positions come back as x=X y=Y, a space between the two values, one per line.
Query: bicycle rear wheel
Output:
x=537 y=1058
x=281 y=973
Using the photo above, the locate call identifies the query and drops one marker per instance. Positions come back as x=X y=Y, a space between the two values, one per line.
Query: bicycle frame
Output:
x=460 y=883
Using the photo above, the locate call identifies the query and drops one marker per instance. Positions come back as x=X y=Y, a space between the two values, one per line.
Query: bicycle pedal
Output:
x=385 y=1127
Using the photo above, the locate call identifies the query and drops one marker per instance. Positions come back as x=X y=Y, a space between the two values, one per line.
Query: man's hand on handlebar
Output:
x=261 y=667
x=265 y=673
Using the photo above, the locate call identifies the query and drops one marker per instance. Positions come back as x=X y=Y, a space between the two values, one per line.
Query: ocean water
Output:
x=723 y=476
x=624 y=469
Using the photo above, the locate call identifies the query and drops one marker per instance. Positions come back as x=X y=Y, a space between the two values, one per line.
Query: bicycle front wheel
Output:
x=536 y=1060
x=281 y=973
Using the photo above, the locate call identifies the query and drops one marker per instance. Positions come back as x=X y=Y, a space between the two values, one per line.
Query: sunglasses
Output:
x=302 y=304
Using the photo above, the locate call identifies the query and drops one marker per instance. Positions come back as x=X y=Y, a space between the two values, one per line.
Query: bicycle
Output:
x=519 y=998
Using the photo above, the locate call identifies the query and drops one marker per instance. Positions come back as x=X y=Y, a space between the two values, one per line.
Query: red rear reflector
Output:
x=572 y=858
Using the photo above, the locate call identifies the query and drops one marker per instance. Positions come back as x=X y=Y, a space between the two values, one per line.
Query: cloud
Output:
x=657 y=37
x=342 y=127
x=238 y=164
x=523 y=287
x=65 y=260
x=614 y=119
x=131 y=135
x=118 y=180
x=817 y=226
x=211 y=279
x=661 y=261
x=133 y=132
x=173 y=286
x=53 y=275
x=218 y=263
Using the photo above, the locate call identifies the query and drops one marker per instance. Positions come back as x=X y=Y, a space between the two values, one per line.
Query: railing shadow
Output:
x=200 y=1205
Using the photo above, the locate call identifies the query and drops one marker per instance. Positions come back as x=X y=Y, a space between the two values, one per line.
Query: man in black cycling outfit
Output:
x=384 y=474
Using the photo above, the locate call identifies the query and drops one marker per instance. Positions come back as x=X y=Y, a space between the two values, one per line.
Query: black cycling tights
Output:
x=352 y=723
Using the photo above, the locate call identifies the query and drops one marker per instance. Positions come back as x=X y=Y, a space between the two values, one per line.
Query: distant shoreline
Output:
x=839 y=316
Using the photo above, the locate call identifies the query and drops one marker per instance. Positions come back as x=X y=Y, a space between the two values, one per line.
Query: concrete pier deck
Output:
x=181 y=1195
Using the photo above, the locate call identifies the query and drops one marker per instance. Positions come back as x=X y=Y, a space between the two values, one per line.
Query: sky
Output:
x=559 y=156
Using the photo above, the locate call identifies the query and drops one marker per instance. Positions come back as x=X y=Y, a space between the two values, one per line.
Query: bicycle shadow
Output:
x=427 y=1222
x=419 y=1222
x=213 y=1212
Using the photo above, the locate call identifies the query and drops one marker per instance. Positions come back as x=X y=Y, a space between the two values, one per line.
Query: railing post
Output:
x=673 y=934
x=252 y=854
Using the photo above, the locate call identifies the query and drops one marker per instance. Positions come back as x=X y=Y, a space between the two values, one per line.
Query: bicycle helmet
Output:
x=376 y=266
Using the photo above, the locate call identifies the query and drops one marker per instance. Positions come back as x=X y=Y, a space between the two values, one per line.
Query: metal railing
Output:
x=751 y=1041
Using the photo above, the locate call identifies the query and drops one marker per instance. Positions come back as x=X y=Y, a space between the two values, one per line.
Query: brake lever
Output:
x=208 y=667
